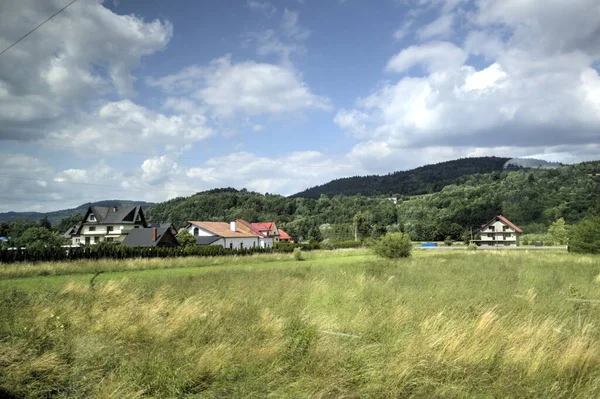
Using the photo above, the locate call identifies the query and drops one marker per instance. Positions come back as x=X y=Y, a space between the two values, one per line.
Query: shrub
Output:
x=448 y=241
x=585 y=236
x=298 y=254
x=472 y=247
x=393 y=246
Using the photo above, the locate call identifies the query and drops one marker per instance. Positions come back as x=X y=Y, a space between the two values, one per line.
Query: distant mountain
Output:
x=423 y=180
x=55 y=216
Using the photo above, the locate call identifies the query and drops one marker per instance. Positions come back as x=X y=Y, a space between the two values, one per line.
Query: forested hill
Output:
x=531 y=198
x=423 y=180
x=55 y=216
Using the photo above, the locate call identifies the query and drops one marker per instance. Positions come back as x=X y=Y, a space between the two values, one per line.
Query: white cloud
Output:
x=282 y=41
x=433 y=57
x=440 y=28
x=126 y=126
x=248 y=88
x=539 y=89
x=85 y=51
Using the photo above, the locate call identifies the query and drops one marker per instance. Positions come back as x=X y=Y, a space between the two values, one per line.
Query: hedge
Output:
x=114 y=251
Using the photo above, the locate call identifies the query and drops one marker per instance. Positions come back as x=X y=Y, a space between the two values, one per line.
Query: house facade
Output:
x=106 y=224
x=500 y=232
x=227 y=235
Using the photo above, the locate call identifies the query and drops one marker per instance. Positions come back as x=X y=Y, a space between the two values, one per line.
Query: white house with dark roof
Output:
x=106 y=224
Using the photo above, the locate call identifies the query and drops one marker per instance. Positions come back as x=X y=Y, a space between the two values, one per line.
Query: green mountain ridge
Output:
x=422 y=180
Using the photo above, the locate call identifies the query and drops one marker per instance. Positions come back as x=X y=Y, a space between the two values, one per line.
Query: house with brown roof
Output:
x=500 y=232
x=227 y=235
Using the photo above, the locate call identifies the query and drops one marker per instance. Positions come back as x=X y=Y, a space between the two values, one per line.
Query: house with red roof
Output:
x=500 y=232
x=267 y=230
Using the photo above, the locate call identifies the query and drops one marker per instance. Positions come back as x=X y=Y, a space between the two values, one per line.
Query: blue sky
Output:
x=151 y=100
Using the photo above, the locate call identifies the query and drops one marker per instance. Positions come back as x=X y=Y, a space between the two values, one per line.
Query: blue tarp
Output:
x=429 y=244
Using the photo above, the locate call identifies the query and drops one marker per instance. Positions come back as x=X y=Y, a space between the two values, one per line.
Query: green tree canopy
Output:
x=585 y=236
x=558 y=232
x=40 y=237
x=186 y=239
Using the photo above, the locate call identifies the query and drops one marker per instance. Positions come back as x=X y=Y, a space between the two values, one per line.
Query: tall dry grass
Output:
x=446 y=325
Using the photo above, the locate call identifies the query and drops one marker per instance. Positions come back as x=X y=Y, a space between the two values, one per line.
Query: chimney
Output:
x=115 y=209
x=154 y=234
x=232 y=226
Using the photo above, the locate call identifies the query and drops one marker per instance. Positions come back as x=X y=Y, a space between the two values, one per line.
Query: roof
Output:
x=143 y=237
x=264 y=226
x=283 y=235
x=505 y=221
x=249 y=227
x=116 y=214
x=206 y=240
x=222 y=229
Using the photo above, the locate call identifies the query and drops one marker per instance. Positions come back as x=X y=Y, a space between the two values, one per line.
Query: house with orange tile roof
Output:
x=500 y=232
x=228 y=235
x=268 y=231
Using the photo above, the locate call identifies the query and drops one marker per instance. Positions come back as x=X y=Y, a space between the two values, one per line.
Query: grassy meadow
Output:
x=448 y=324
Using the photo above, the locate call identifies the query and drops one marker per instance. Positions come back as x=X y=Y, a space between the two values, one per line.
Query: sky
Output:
x=151 y=100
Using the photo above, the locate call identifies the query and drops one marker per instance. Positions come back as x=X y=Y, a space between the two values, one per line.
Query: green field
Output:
x=342 y=323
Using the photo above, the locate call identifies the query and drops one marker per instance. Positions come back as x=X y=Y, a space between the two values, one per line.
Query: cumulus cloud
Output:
x=85 y=51
x=247 y=88
x=539 y=89
x=126 y=126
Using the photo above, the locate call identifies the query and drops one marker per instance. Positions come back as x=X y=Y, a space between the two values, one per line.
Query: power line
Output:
x=37 y=27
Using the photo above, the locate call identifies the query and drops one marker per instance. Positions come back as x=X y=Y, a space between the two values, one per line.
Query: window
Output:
x=490 y=235
x=96 y=240
x=109 y=229
x=92 y=217
x=87 y=240
x=230 y=245
x=492 y=228
x=92 y=228
x=241 y=245
x=109 y=239
x=504 y=228
x=77 y=240
x=196 y=231
x=136 y=227
x=507 y=235
x=254 y=244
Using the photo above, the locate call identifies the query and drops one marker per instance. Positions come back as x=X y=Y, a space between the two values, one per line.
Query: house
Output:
x=499 y=232
x=227 y=235
x=170 y=226
x=152 y=237
x=267 y=230
x=106 y=224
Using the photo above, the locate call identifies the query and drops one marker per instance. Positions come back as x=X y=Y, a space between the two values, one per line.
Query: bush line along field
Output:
x=339 y=324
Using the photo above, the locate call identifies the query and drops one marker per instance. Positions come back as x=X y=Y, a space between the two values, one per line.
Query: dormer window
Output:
x=92 y=217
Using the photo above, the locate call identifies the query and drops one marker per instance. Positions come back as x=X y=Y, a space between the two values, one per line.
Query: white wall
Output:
x=248 y=242
x=201 y=232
